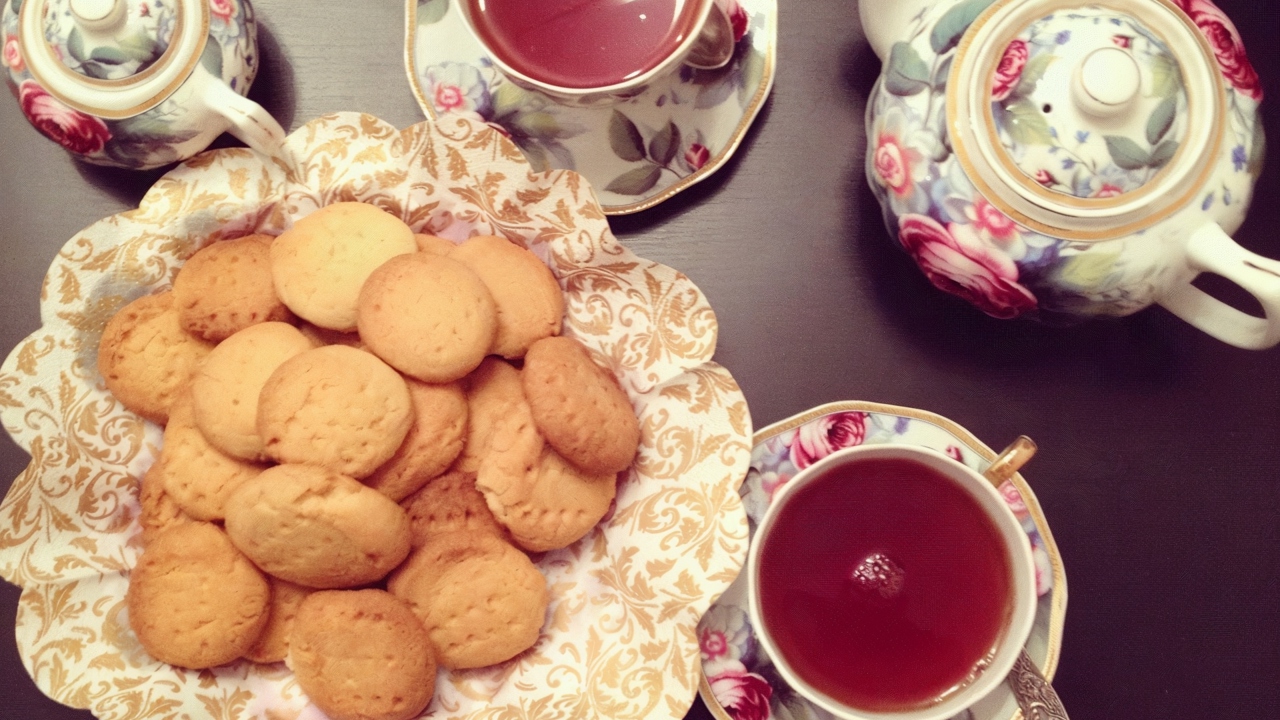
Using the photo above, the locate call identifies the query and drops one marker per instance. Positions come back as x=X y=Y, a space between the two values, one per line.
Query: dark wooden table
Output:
x=1160 y=452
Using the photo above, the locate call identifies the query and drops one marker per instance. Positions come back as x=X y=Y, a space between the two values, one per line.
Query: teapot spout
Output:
x=885 y=22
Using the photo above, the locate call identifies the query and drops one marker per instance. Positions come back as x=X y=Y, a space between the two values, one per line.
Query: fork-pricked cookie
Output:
x=146 y=358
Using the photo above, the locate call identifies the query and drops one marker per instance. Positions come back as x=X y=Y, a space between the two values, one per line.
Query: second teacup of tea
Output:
x=891 y=583
x=585 y=52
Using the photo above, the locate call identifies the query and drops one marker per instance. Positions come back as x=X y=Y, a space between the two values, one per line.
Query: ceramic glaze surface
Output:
x=740 y=680
x=180 y=126
x=637 y=152
x=138 y=45
x=1070 y=151
x=969 y=246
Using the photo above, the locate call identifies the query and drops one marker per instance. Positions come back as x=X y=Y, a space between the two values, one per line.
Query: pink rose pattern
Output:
x=893 y=164
x=697 y=155
x=1009 y=71
x=13 y=54
x=224 y=9
x=820 y=438
x=744 y=695
x=1227 y=45
x=738 y=19
x=991 y=221
x=449 y=97
x=72 y=129
x=958 y=263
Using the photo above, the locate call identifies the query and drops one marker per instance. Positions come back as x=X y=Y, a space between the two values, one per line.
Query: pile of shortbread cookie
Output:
x=366 y=431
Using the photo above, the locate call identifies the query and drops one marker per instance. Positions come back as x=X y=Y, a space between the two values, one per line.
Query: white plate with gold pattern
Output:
x=739 y=680
x=636 y=153
x=620 y=634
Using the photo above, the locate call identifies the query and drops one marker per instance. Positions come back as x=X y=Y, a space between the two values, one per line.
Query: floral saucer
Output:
x=739 y=682
x=635 y=153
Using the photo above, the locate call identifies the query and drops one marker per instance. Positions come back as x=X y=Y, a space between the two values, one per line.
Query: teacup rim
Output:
x=1022 y=614
x=574 y=93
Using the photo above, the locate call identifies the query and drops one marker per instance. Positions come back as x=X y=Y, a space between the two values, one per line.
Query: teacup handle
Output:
x=250 y=122
x=1212 y=250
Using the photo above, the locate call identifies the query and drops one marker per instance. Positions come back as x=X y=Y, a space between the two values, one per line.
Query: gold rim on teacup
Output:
x=619 y=91
x=1023 y=606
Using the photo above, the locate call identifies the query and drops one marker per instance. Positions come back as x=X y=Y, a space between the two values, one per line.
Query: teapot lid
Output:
x=1087 y=121
x=112 y=58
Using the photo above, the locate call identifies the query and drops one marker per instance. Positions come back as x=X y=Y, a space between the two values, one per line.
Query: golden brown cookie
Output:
x=273 y=644
x=428 y=316
x=543 y=501
x=194 y=600
x=226 y=388
x=529 y=299
x=226 y=287
x=146 y=357
x=434 y=441
x=494 y=392
x=449 y=503
x=482 y=601
x=320 y=264
x=195 y=474
x=362 y=655
x=334 y=406
x=526 y=294
x=159 y=511
x=434 y=245
x=579 y=407
x=317 y=528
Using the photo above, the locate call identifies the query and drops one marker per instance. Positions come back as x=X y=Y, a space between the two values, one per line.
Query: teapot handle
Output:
x=1212 y=250
x=249 y=122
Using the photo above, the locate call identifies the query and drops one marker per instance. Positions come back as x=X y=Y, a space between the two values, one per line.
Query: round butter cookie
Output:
x=362 y=655
x=449 y=503
x=273 y=645
x=428 y=316
x=194 y=601
x=158 y=510
x=226 y=287
x=579 y=406
x=543 y=501
x=434 y=441
x=226 y=388
x=494 y=392
x=433 y=245
x=334 y=406
x=198 y=477
x=319 y=265
x=146 y=358
x=314 y=527
x=482 y=601
x=526 y=294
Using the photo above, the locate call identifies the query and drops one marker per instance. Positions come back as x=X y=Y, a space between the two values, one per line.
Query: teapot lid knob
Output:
x=1107 y=82
x=99 y=15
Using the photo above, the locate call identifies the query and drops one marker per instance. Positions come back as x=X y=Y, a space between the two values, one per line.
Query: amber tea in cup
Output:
x=585 y=44
x=890 y=582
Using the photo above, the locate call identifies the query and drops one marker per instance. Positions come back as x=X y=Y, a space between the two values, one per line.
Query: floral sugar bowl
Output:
x=1064 y=159
x=136 y=83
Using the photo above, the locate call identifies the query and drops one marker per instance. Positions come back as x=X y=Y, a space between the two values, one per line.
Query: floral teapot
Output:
x=137 y=83
x=1071 y=158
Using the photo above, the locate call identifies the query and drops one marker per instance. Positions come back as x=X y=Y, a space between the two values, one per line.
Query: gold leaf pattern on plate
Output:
x=625 y=600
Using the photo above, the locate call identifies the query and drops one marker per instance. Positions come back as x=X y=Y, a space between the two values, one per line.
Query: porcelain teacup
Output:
x=706 y=40
x=887 y=546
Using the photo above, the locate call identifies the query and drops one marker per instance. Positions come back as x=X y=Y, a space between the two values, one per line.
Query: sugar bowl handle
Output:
x=248 y=121
x=1212 y=250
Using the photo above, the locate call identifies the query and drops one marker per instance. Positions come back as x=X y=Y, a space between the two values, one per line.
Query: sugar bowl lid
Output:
x=1086 y=119
x=112 y=58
